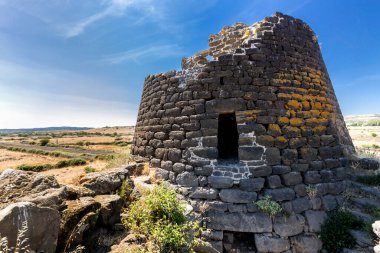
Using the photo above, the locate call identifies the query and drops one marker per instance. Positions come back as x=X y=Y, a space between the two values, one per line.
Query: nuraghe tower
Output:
x=253 y=115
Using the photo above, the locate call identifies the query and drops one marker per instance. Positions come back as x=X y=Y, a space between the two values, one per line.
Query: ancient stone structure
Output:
x=260 y=118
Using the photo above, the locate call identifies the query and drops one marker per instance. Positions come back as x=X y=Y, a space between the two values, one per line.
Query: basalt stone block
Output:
x=174 y=154
x=332 y=163
x=292 y=178
x=240 y=222
x=269 y=243
x=265 y=140
x=237 y=196
x=368 y=164
x=300 y=190
x=281 y=194
x=220 y=182
x=312 y=177
x=260 y=171
x=301 y=167
x=178 y=135
x=315 y=219
x=209 y=152
x=167 y=165
x=266 y=119
x=209 y=123
x=316 y=165
x=203 y=171
x=329 y=202
x=204 y=193
x=161 y=135
x=327 y=140
x=301 y=204
x=288 y=226
x=289 y=155
x=210 y=141
x=297 y=142
x=272 y=156
x=291 y=132
x=306 y=243
x=252 y=185
x=309 y=154
x=228 y=105
x=250 y=153
x=280 y=169
x=274 y=182
x=178 y=167
x=187 y=179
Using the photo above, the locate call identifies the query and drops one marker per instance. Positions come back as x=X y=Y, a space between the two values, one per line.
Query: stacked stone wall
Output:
x=292 y=137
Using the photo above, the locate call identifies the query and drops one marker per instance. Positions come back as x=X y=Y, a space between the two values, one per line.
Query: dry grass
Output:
x=363 y=137
x=11 y=159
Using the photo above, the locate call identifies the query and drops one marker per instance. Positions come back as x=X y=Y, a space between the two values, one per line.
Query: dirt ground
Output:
x=366 y=138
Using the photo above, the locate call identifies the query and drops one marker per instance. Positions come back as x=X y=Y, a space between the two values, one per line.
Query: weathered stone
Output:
x=240 y=222
x=312 y=177
x=178 y=167
x=261 y=171
x=306 y=243
x=209 y=152
x=110 y=209
x=292 y=178
x=237 y=196
x=220 y=182
x=268 y=243
x=329 y=202
x=272 y=156
x=250 y=153
x=281 y=194
x=274 y=181
x=204 y=193
x=40 y=225
x=158 y=174
x=315 y=219
x=255 y=184
x=225 y=105
x=301 y=204
x=174 y=154
x=280 y=169
x=289 y=226
x=187 y=179
x=368 y=164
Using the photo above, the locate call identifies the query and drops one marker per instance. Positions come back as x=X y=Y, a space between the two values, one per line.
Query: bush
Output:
x=161 y=218
x=374 y=135
x=35 y=168
x=335 y=233
x=71 y=162
x=44 y=142
x=372 y=180
x=269 y=206
x=89 y=169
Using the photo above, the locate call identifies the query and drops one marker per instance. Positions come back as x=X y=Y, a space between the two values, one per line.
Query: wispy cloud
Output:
x=114 y=8
x=138 y=54
x=366 y=80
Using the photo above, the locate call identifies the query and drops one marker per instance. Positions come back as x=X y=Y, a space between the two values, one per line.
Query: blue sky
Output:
x=82 y=63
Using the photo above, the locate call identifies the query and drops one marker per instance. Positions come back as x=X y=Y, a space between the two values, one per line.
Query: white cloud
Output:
x=114 y=8
x=137 y=54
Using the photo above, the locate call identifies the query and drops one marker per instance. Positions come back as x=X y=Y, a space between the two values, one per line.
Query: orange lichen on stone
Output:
x=282 y=139
x=296 y=122
x=274 y=130
x=325 y=115
x=293 y=104
x=297 y=96
x=319 y=130
x=316 y=106
x=305 y=105
x=284 y=96
x=283 y=120
x=246 y=116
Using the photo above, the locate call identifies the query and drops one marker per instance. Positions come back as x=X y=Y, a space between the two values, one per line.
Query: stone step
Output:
x=362 y=216
x=366 y=189
x=363 y=239
x=365 y=203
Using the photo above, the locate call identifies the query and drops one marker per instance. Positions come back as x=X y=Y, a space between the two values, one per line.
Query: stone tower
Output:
x=260 y=118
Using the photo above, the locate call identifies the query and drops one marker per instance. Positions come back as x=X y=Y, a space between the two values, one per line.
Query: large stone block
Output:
x=187 y=179
x=237 y=196
x=250 y=153
x=240 y=222
x=272 y=156
x=306 y=243
x=281 y=194
x=228 y=105
x=315 y=219
x=289 y=226
x=255 y=184
x=272 y=244
x=220 y=182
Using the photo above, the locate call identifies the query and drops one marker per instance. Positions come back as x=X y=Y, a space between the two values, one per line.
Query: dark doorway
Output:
x=228 y=137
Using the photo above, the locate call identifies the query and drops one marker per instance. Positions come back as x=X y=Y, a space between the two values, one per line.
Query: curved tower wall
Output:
x=272 y=79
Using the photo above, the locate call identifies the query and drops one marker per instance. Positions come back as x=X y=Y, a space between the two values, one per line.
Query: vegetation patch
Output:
x=335 y=233
x=372 y=180
x=160 y=217
x=60 y=164
x=269 y=206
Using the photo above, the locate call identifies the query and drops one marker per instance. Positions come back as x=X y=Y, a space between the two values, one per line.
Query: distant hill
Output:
x=44 y=129
x=363 y=120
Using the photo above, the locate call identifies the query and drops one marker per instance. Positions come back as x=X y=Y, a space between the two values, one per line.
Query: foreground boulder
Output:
x=35 y=227
x=17 y=184
x=106 y=182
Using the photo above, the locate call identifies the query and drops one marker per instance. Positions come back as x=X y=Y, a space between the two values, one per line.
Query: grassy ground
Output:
x=102 y=148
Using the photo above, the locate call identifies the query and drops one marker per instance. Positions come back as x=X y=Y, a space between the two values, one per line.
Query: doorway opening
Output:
x=228 y=137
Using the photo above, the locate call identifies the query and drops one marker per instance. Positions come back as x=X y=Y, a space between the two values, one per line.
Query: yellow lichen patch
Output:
x=274 y=129
x=296 y=82
x=325 y=115
x=315 y=113
x=247 y=34
x=291 y=113
x=281 y=139
x=297 y=96
x=296 y=122
x=284 y=96
x=305 y=105
x=283 y=120
x=316 y=106
x=246 y=116
x=294 y=104
x=319 y=130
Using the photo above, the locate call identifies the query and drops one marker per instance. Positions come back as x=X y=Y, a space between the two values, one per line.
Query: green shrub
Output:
x=335 y=233
x=372 y=180
x=125 y=191
x=89 y=169
x=374 y=135
x=269 y=206
x=44 y=142
x=71 y=162
x=35 y=168
x=161 y=218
